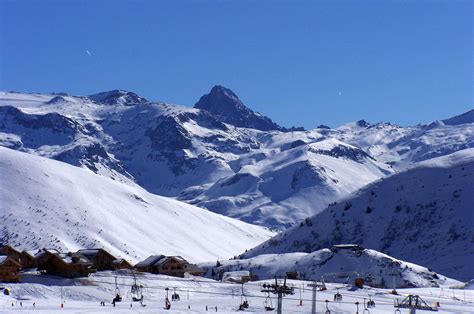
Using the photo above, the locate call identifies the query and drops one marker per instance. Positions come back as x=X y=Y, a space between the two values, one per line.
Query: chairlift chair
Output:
x=337 y=296
x=327 y=307
x=175 y=296
x=118 y=296
x=267 y=304
x=167 y=300
x=370 y=303
x=137 y=293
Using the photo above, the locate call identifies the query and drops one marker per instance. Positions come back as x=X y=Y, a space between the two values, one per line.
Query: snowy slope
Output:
x=85 y=294
x=45 y=203
x=341 y=266
x=423 y=215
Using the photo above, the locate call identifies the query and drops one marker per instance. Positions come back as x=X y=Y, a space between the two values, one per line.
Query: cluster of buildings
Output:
x=84 y=262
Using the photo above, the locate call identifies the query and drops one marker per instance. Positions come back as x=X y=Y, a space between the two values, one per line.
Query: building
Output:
x=69 y=265
x=347 y=247
x=28 y=259
x=121 y=264
x=100 y=258
x=9 y=269
x=9 y=251
x=42 y=256
x=175 y=266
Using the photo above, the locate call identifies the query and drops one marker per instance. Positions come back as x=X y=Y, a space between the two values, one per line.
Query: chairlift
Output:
x=244 y=303
x=366 y=310
x=167 y=301
x=327 y=307
x=175 y=296
x=337 y=296
x=118 y=296
x=136 y=291
x=267 y=304
x=370 y=303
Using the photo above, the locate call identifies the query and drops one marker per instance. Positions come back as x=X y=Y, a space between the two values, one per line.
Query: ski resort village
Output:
x=114 y=203
x=228 y=156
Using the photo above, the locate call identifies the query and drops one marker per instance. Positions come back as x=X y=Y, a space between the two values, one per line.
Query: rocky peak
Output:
x=226 y=106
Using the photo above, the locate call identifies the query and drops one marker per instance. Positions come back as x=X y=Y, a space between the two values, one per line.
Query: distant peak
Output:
x=363 y=123
x=225 y=106
x=118 y=97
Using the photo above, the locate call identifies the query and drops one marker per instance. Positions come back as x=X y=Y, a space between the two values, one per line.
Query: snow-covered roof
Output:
x=88 y=251
x=31 y=253
x=4 y=258
x=167 y=258
x=151 y=260
x=68 y=258
x=52 y=251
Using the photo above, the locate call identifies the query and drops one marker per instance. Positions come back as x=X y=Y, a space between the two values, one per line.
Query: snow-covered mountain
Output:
x=423 y=215
x=288 y=180
x=226 y=106
x=46 y=203
x=335 y=265
x=256 y=171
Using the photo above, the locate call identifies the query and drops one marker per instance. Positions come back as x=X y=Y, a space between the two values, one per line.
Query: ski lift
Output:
x=118 y=296
x=397 y=311
x=370 y=303
x=244 y=303
x=136 y=291
x=167 y=300
x=337 y=296
x=327 y=308
x=267 y=304
x=175 y=296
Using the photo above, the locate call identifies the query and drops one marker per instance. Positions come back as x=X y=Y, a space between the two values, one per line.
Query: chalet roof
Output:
x=52 y=251
x=68 y=259
x=150 y=261
x=10 y=247
x=167 y=258
x=32 y=253
x=94 y=251
x=5 y=258
x=87 y=252
x=119 y=261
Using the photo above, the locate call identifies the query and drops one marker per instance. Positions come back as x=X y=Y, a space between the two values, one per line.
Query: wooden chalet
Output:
x=69 y=265
x=121 y=264
x=9 y=269
x=168 y=265
x=100 y=258
x=28 y=259
x=42 y=256
x=9 y=251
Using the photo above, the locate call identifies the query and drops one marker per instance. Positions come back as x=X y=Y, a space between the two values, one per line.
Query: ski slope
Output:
x=84 y=296
x=46 y=203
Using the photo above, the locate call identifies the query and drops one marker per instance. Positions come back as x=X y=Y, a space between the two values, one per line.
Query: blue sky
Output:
x=298 y=62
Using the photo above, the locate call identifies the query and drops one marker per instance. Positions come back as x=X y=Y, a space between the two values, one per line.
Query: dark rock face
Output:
x=91 y=156
x=118 y=97
x=223 y=104
x=37 y=129
x=354 y=154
